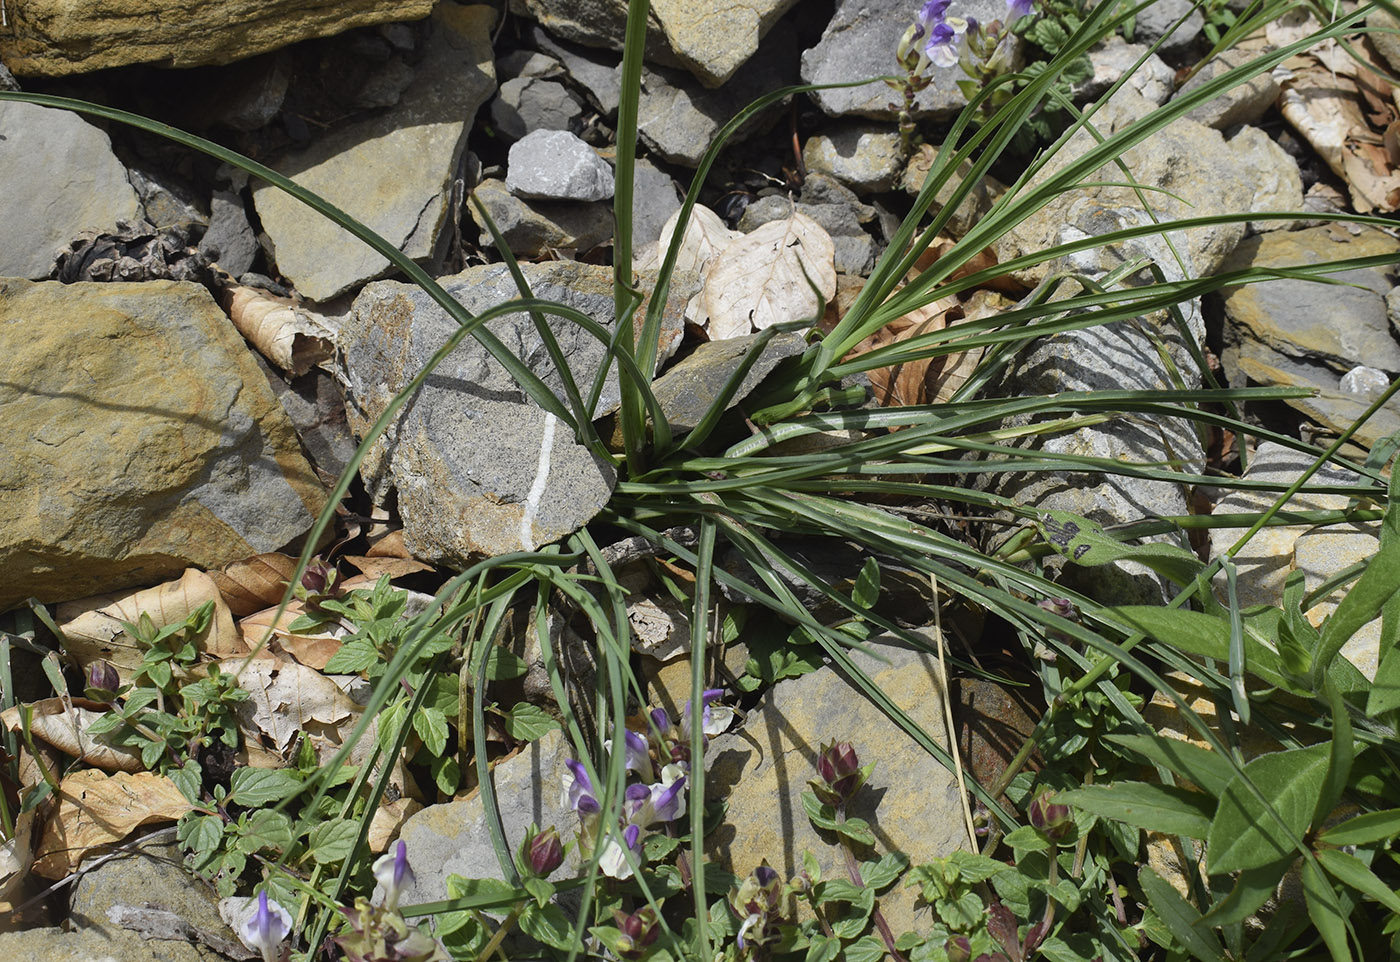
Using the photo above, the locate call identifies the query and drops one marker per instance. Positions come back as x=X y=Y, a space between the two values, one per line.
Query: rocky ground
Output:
x=146 y=437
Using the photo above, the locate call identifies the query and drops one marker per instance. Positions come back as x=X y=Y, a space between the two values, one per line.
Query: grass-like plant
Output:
x=1066 y=892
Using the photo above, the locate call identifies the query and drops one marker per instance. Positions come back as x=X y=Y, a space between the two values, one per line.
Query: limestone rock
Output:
x=715 y=40
x=393 y=171
x=1112 y=57
x=87 y=945
x=598 y=72
x=52 y=38
x=597 y=23
x=654 y=200
x=978 y=201
x=911 y=801
x=531 y=228
x=864 y=157
x=1276 y=182
x=61 y=178
x=143 y=439
x=687 y=390
x=1242 y=104
x=557 y=165
x=527 y=104
x=861 y=41
x=1160 y=19
x=1386 y=36
x=229 y=241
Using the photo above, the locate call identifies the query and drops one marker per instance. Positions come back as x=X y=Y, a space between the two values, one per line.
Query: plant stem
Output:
x=496 y=937
x=853 y=870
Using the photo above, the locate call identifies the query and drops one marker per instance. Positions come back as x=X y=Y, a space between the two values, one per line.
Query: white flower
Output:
x=266 y=928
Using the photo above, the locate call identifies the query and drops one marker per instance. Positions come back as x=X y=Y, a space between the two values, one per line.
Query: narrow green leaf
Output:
x=1155 y=808
x=1244 y=834
x=1201 y=766
x=1252 y=889
x=1325 y=912
x=1179 y=916
x=1238 y=694
x=867 y=587
x=1341 y=754
x=1086 y=543
x=1350 y=870
x=1364 y=829
x=1385 y=687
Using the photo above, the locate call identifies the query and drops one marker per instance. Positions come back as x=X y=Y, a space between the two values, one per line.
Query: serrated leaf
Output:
x=188 y=778
x=1179 y=917
x=857 y=830
x=333 y=841
x=881 y=873
x=1026 y=839
x=1243 y=835
x=1155 y=808
x=256 y=787
x=502 y=664
x=547 y=924
x=768 y=277
x=355 y=655
x=201 y=834
x=822 y=949
x=867 y=949
x=266 y=829
x=431 y=726
x=528 y=723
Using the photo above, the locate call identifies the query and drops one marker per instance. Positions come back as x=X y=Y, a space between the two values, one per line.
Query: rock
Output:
x=860 y=41
x=1385 y=36
x=86 y=945
x=50 y=38
x=911 y=801
x=556 y=165
x=1195 y=163
x=1366 y=383
x=597 y=72
x=855 y=249
x=453 y=838
x=253 y=94
x=972 y=207
x=1277 y=183
x=713 y=41
x=596 y=23
x=7 y=79
x=316 y=408
x=385 y=85
x=532 y=228
x=61 y=178
x=1158 y=19
x=1336 y=326
x=994 y=721
x=1267 y=559
x=864 y=157
x=167 y=201
x=526 y=104
x=393 y=171
x=679 y=120
x=528 y=64
x=152 y=876
x=686 y=391
x=229 y=240
x=654 y=200
x=143 y=440
x=1242 y=104
x=1112 y=57
x=669 y=682
x=478 y=468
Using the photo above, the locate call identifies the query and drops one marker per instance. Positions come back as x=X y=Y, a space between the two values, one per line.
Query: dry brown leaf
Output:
x=254 y=583
x=904 y=384
x=92 y=626
x=376 y=566
x=311 y=648
x=64 y=722
x=285 y=698
x=284 y=332
x=96 y=810
x=767 y=277
x=16 y=856
x=388 y=545
x=388 y=819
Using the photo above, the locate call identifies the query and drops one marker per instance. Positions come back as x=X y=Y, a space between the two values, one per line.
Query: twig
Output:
x=948 y=715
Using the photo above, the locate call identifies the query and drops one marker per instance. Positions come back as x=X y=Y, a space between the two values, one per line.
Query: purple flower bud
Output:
x=102 y=681
x=639 y=931
x=1019 y=8
x=958 y=949
x=1050 y=818
x=1059 y=606
x=544 y=852
x=841 y=776
x=319 y=578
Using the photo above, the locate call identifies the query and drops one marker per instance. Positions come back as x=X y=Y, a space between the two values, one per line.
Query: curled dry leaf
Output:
x=16 y=856
x=311 y=648
x=769 y=276
x=376 y=566
x=284 y=332
x=92 y=626
x=254 y=583
x=389 y=545
x=285 y=698
x=96 y=810
x=64 y=723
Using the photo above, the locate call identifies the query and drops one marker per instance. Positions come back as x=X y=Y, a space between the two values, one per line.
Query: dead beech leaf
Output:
x=706 y=234
x=388 y=819
x=312 y=648
x=284 y=332
x=767 y=277
x=92 y=626
x=285 y=698
x=16 y=856
x=903 y=384
x=389 y=545
x=254 y=583
x=376 y=566
x=64 y=723
x=96 y=810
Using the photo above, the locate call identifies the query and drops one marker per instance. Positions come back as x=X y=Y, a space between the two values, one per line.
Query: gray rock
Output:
x=598 y=72
x=854 y=248
x=531 y=228
x=1366 y=383
x=679 y=120
x=526 y=104
x=230 y=239
x=596 y=23
x=528 y=63
x=255 y=90
x=393 y=171
x=86 y=945
x=316 y=408
x=167 y=201
x=143 y=440
x=557 y=165
x=7 y=79
x=687 y=390
x=1157 y=19
x=1276 y=182
x=864 y=157
x=1386 y=36
x=1113 y=57
x=978 y=201
x=385 y=86
x=61 y=178
x=911 y=801
x=861 y=41
x=1392 y=308
x=1242 y=104
x=654 y=200
x=714 y=40
x=453 y=838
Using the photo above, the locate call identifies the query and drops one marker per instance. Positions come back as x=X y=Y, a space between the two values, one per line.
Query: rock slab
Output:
x=715 y=40
x=557 y=165
x=55 y=38
x=142 y=440
x=61 y=178
x=393 y=171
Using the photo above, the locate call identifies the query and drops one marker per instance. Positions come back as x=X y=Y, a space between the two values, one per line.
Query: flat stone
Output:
x=1244 y=103
x=526 y=104
x=1157 y=20
x=596 y=23
x=864 y=157
x=910 y=801
x=392 y=171
x=598 y=72
x=86 y=945
x=532 y=228
x=143 y=440
x=229 y=241
x=1339 y=326
x=557 y=165
x=52 y=38
x=686 y=391
x=1331 y=408
x=1112 y=57
x=860 y=41
x=61 y=178
x=713 y=41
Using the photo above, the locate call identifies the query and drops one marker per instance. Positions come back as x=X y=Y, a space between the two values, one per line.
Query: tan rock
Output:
x=141 y=438
x=714 y=40
x=56 y=38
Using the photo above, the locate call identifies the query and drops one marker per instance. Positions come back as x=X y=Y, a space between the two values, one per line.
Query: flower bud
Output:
x=394 y=873
x=1050 y=818
x=544 y=852
x=958 y=949
x=639 y=931
x=841 y=775
x=102 y=681
x=1059 y=606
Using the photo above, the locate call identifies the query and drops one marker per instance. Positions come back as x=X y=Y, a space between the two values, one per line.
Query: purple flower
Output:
x=758 y=901
x=933 y=10
x=714 y=719
x=393 y=872
x=578 y=790
x=639 y=930
x=942 y=46
x=613 y=859
x=644 y=805
x=1019 y=8
x=267 y=928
